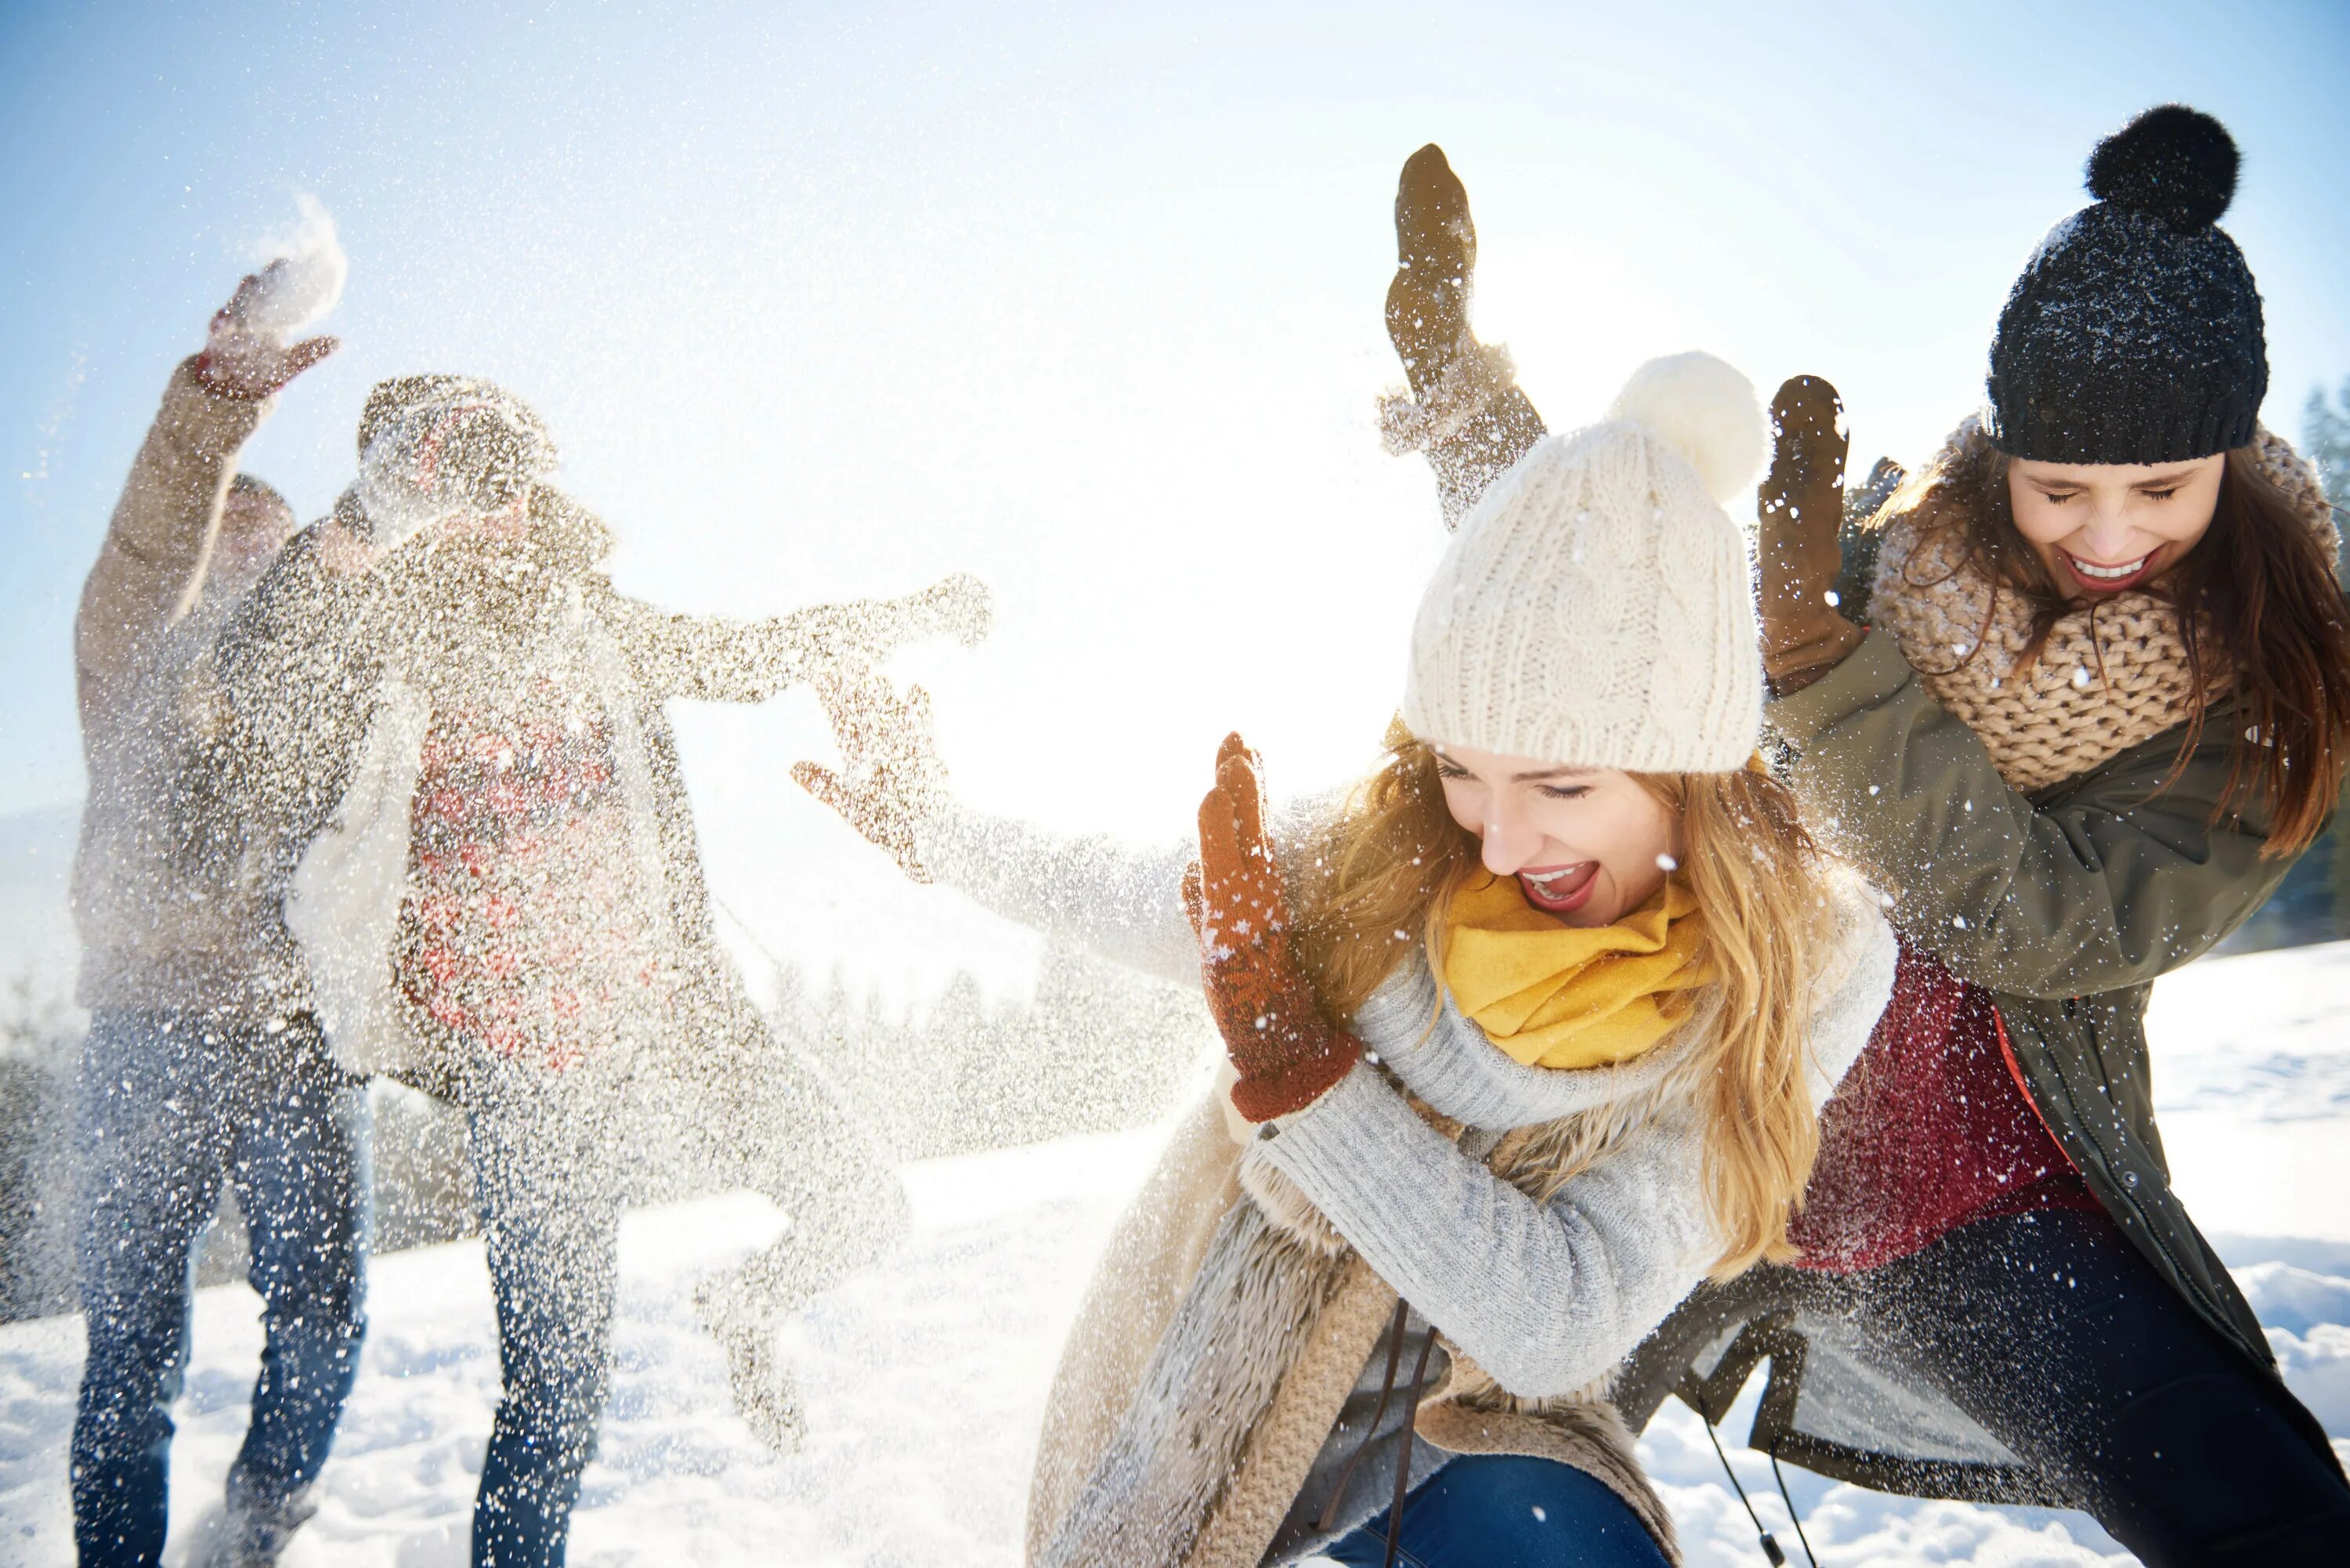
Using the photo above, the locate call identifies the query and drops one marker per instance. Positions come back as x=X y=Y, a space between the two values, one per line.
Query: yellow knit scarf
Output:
x=1552 y=995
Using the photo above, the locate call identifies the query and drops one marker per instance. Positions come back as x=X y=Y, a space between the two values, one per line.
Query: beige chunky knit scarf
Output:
x=2106 y=679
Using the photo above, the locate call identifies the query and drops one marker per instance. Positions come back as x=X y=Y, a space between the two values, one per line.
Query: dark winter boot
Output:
x=251 y=1532
x=1465 y=411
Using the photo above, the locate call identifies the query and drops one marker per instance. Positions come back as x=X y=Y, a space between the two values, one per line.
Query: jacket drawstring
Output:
x=1329 y=1520
x=1771 y=1548
x=1403 y=1452
x=1796 y=1519
x=1396 y=1334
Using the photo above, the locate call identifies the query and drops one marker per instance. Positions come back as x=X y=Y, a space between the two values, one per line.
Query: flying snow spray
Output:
x=303 y=276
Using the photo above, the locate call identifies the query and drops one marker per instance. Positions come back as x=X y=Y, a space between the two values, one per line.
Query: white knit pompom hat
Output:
x=1597 y=607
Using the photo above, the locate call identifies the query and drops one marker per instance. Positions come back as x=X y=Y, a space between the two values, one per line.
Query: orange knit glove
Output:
x=1285 y=1053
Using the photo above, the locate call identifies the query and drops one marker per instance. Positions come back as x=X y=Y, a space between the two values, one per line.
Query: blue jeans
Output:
x=545 y=1181
x=170 y=1106
x=1506 y=1511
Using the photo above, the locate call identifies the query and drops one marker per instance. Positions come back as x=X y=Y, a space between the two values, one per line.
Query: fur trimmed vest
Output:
x=1226 y=1327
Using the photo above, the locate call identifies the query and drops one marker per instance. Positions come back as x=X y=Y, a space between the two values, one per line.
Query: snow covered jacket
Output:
x=1219 y=1376
x=154 y=934
x=2063 y=902
x=322 y=690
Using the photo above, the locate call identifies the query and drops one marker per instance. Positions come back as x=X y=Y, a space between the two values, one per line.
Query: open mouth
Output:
x=2098 y=577
x=1557 y=889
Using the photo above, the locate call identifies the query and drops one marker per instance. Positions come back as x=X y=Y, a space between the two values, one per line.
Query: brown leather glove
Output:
x=1465 y=411
x=1287 y=1055
x=1800 y=502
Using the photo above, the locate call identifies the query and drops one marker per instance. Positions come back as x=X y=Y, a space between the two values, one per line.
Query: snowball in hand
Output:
x=305 y=278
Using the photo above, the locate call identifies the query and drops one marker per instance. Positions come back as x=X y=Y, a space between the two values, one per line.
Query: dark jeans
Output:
x=1504 y=1510
x=171 y=1105
x=544 y=1180
x=2051 y=1331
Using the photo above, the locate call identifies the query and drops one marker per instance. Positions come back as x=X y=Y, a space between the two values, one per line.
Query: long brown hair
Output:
x=1384 y=869
x=2260 y=614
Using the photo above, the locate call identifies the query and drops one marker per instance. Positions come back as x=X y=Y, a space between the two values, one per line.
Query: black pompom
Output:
x=2175 y=163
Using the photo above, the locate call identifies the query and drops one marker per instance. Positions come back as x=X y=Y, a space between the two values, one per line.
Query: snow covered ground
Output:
x=924 y=1386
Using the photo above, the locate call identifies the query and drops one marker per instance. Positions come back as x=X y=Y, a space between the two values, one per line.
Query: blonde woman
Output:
x=1526 y=1036
x=2077 y=695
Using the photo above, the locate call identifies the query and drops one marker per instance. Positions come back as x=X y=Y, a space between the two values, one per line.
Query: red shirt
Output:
x=526 y=931
x=1931 y=1130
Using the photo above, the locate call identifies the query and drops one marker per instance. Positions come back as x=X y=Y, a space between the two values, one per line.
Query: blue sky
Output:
x=823 y=302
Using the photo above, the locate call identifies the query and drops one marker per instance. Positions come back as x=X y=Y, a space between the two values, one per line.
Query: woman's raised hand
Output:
x=1801 y=503
x=1285 y=1054
x=891 y=779
x=1436 y=263
x=1464 y=409
x=241 y=361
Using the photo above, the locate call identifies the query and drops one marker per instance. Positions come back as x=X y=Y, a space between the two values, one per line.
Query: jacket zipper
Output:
x=2015 y=1071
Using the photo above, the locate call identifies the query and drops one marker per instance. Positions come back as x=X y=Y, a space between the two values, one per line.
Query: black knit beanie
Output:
x=2134 y=335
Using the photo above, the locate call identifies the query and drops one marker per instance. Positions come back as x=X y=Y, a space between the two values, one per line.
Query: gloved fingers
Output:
x=1240 y=777
x=860 y=707
x=1806 y=406
x=303 y=355
x=1436 y=251
x=833 y=789
x=1254 y=889
x=1195 y=906
x=1222 y=872
x=1808 y=448
x=1432 y=214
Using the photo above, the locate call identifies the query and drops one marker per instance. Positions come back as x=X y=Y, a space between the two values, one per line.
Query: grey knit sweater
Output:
x=1547 y=1297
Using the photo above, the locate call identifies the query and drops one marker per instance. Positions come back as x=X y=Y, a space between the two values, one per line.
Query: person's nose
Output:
x=1509 y=843
x=2110 y=538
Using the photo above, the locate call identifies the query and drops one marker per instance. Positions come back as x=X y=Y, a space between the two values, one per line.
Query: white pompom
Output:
x=1704 y=410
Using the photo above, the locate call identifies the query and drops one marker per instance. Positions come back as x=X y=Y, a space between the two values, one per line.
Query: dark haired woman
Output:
x=2102 y=708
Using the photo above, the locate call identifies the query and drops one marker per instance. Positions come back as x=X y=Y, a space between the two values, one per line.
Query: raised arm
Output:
x=716 y=659
x=151 y=569
x=2114 y=880
x=1123 y=902
x=1465 y=412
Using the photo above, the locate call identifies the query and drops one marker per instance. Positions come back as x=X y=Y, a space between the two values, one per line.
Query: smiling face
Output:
x=1589 y=845
x=2103 y=528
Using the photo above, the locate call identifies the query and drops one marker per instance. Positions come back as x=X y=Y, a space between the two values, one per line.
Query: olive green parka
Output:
x=2065 y=904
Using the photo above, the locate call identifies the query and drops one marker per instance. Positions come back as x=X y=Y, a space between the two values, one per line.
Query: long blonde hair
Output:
x=1385 y=867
